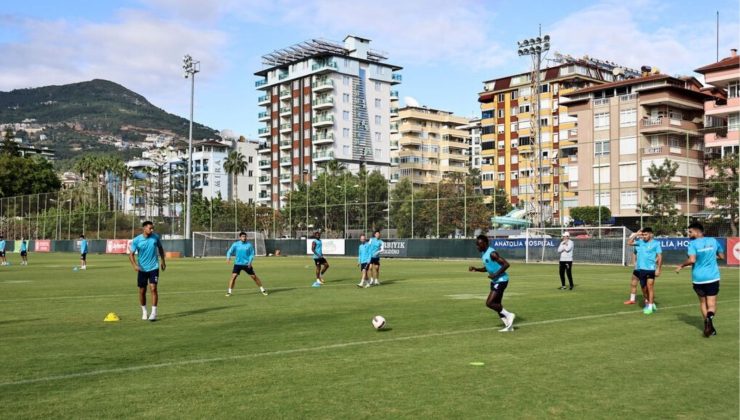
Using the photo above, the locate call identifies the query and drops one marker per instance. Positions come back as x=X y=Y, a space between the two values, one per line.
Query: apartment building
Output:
x=323 y=101
x=246 y=183
x=723 y=110
x=431 y=147
x=627 y=125
x=536 y=174
x=474 y=140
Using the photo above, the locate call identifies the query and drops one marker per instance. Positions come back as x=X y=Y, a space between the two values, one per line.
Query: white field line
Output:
x=318 y=348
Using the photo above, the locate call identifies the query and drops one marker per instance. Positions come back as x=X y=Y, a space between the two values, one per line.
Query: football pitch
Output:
x=305 y=352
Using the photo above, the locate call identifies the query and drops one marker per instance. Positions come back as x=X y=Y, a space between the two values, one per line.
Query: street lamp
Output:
x=535 y=47
x=190 y=67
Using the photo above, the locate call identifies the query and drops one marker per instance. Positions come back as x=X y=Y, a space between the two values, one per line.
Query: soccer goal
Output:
x=594 y=245
x=215 y=244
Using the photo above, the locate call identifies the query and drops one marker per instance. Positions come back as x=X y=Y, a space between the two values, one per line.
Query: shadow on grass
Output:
x=195 y=312
x=280 y=290
x=386 y=329
x=18 y=321
x=693 y=320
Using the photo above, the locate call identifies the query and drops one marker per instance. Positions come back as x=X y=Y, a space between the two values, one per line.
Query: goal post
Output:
x=215 y=244
x=592 y=245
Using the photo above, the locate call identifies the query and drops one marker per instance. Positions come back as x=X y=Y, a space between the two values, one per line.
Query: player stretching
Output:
x=496 y=268
x=376 y=247
x=244 y=252
x=363 y=260
x=318 y=259
x=146 y=246
x=649 y=264
x=83 y=253
x=24 y=251
x=703 y=255
x=2 y=251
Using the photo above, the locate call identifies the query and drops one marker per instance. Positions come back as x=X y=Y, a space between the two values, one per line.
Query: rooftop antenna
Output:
x=717 y=35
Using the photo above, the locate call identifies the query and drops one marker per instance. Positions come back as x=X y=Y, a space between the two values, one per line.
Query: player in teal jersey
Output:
x=648 y=266
x=496 y=267
x=364 y=254
x=244 y=255
x=3 y=261
x=317 y=248
x=83 y=253
x=24 y=251
x=146 y=246
x=376 y=248
x=703 y=255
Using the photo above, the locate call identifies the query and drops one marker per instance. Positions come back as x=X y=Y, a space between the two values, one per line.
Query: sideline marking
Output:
x=320 y=348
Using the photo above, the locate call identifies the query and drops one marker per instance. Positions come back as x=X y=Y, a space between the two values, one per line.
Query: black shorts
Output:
x=643 y=276
x=375 y=260
x=83 y=256
x=364 y=266
x=319 y=261
x=707 y=289
x=247 y=269
x=24 y=253
x=499 y=288
x=2 y=254
x=144 y=277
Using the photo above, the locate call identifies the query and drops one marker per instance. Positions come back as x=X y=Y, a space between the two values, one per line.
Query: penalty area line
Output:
x=317 y=348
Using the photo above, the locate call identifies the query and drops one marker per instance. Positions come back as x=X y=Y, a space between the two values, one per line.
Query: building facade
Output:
x=723 y=111
x=627 y=125
x=474 y=140
x=536 y=175
x=246 y=183
x=430 y=145
x=323 y=101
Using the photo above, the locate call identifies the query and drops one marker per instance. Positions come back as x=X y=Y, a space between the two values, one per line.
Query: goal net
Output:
x=594 y=245
x=215 y=244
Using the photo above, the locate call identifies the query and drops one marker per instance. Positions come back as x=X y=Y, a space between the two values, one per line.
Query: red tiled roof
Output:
x=725 y=63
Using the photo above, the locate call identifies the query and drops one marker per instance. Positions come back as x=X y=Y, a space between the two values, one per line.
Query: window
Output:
x=501 y=176
x=345 y=133
x=501 y=144
x=377 y=119
x=601 y=148
x=345 y=98
x=487 y=114
x=501 y=113
x=601 y=121
x=525 y=91
x=250 y=187
x=544 y=88
x=544 y=122
x=346 y=149
x=501 y=160
x=486 y=129
x=514 y=111
x=306 y=99
x=377 y=136
x=514 y=126
x=514 y=94
x=627 y=145
x=296 y=101
x=602 y=199
x=628 y=118
x=628 y=172
x=733 y=122
x=733 y=90
x=345 y=80
x=628 y=200
x=523 y=108
x=377 y=103
x=514 y=191
x=601 y=175
x=377 y=86
x=514 y=159
x=345 y=115
x=501 y=97
x=249 y=174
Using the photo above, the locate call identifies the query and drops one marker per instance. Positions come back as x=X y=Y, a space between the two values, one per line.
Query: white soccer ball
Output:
x=378 y=322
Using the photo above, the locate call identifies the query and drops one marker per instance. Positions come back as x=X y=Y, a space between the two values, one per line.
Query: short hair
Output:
x=696 y=225
x=82 y=236
x=377 y=231
x=647 y=230
x=242 y=233
x=482 y=238
x=147 y=223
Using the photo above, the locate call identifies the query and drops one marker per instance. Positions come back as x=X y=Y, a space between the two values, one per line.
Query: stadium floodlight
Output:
x=190 y=67
x=535 y=47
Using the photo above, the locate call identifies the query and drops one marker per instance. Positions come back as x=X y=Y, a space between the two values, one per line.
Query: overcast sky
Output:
x=447 y=48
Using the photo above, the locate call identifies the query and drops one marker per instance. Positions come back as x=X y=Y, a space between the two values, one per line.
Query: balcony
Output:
x=396 y=78
x=322 y=156
x=263 y=100
x=283 y=75
x=286 y=144
x=263 y=132
x=285 y=178
x=628 y=97
x=263 y=116
x=284 y=94
x=394 y=112
x=664 y=124
x=322 y=66
x=672 y=151
x=264 y=164
x=286 y=161
x=260 y=83
x=264 y=196
x=264 y=149
x=323 y=121
x=264 y=179
x=394 y=95
x=323 y=138
x=394 y=128
x=323 y=103
x=601 y=102
x=322 y=84
x=286 y=127
x=394 y=144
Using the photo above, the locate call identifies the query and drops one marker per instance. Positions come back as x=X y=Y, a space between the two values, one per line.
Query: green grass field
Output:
x=304 y=352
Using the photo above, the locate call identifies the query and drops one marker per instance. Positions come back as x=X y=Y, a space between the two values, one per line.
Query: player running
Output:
x=318 y=259
x=496 y=267
x=83 y=253
x=376 y=248
x=363 y=260
x=24 y=251
x=244 y=252
x=703 y=255
x=2 y=251
x=649 y=264
x=147 y=267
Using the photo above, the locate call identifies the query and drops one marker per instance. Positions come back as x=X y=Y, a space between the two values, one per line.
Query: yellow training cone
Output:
x=112 y=317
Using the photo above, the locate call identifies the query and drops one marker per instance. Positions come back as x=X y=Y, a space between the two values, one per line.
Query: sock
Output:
x=229 y=290
x=154 y=310
x=143 y=309
x=262 y=289
x=504 y=312
x=632 y=297
x=710 y=315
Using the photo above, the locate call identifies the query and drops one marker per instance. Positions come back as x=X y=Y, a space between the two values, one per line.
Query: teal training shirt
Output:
x=244 y=252
x=364 y=253
x=317 y=252
x=706 y=269
x=147 y=248
x=375 y=246
x=492 y=266
x=647 y=254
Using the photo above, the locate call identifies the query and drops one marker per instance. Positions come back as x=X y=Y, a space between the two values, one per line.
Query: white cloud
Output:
x=633 y=34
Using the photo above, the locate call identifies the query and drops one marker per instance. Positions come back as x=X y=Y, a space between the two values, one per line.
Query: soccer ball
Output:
x=378 y=322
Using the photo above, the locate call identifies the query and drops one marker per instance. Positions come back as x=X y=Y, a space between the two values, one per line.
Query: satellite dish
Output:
x=409 y=101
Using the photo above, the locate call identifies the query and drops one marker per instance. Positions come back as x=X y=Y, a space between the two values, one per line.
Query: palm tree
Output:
x=235 y=165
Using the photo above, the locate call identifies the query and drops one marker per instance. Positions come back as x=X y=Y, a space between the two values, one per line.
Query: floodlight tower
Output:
x=535 y=47
x=190 y=67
